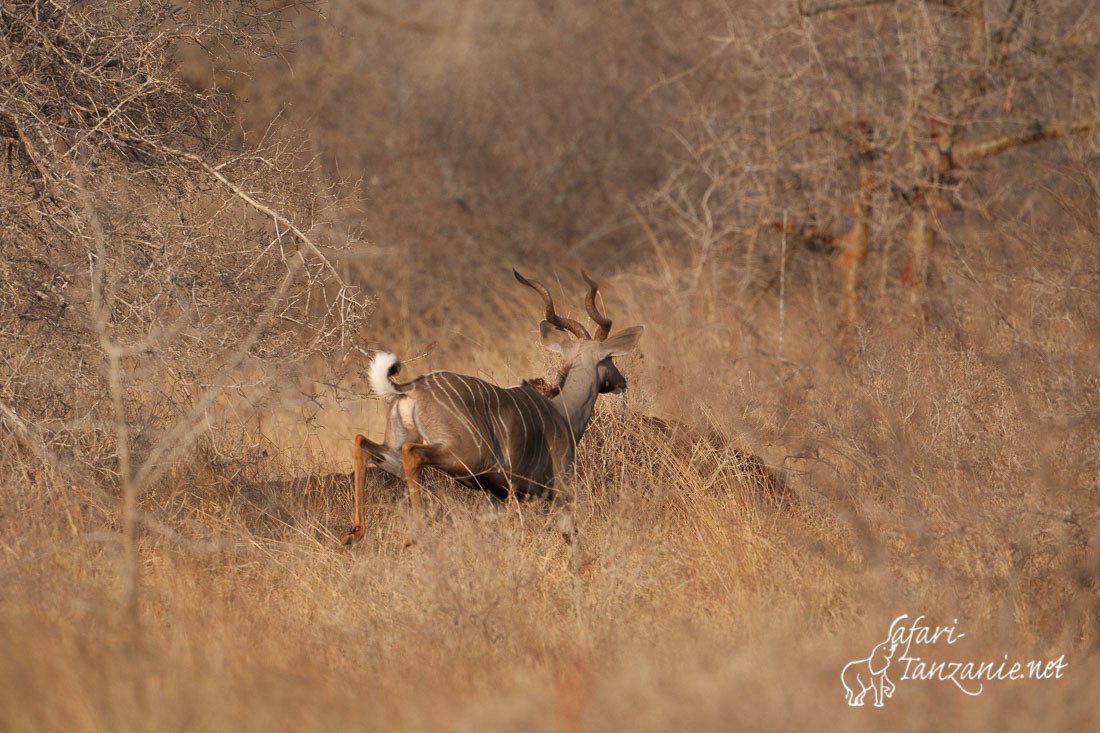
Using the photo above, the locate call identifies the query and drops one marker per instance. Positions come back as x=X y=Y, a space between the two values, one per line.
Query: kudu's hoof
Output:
x=354 y=535
x=566 y=526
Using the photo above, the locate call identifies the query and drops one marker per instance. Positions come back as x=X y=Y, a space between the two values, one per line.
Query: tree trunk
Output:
x=922 y=240
x=853 y=249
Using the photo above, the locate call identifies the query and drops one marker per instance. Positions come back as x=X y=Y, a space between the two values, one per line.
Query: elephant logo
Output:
x=869 y=675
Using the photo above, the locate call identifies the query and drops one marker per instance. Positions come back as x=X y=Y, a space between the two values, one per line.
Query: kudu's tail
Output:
x=383 y=366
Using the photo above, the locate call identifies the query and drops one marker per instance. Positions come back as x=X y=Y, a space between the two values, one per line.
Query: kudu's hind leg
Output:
x=359 y=457
x=384 y=457
x=412 y=457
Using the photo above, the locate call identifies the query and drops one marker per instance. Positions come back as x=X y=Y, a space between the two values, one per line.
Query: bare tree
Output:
x=858 y=125
x=152 y=259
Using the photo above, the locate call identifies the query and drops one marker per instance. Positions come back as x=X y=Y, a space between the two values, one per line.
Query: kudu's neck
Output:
x=577 y=396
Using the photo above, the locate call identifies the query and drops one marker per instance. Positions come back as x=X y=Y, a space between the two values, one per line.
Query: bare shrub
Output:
x=953 y=476
x=151 y=264
x=870 y=131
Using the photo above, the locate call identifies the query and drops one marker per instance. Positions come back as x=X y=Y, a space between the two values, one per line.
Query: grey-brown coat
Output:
x=509 y=441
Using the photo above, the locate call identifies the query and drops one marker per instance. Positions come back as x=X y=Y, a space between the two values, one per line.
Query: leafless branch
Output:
x=968 y=152
x=808 y=8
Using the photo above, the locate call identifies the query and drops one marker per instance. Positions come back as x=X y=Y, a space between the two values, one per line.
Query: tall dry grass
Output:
x=952 y=473
x=936 y=479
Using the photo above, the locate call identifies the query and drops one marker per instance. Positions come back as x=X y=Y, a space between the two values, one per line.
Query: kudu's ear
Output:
x=557 y=340
x=623 y=342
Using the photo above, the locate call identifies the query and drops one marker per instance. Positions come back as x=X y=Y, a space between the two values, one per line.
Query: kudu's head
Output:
x=580 y=349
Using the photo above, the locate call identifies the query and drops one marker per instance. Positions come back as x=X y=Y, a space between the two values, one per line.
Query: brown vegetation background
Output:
x=862 y=237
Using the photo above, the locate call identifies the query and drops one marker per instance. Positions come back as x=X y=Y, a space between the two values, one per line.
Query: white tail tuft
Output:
x=381 y=367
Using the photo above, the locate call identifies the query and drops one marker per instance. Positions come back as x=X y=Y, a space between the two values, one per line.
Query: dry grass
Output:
x=925 y=483
x=797 y=493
